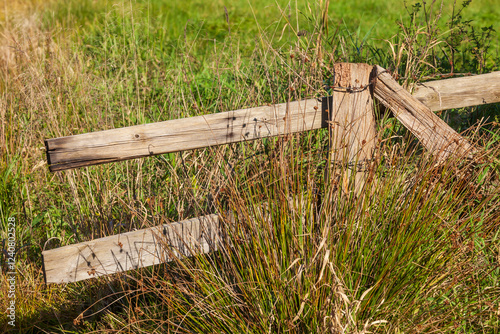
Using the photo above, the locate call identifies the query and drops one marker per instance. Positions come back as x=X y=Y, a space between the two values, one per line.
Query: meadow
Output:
x=417 y=251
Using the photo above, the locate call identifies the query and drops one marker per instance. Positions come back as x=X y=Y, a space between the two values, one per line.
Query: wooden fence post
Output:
x=351 y=125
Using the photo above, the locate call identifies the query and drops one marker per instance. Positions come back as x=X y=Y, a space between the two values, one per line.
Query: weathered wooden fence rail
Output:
x=459 y=92
x=131 y=250
x=182 y=134
x=348 y=113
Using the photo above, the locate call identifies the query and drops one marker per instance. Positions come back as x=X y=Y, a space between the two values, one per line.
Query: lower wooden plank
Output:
x=131 y=250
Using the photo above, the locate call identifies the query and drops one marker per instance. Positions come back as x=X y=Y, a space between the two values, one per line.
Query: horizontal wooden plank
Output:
x=459 y=92
x=183 y=134
x=131 y=250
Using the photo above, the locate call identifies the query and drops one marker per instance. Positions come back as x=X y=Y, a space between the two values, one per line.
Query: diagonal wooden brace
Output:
x=436 y=136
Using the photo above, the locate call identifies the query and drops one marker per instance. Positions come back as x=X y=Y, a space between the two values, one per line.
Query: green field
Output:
x=373 y=19
x=417 y=251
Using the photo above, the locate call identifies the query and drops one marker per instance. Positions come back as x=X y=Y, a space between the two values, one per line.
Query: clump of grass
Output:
x=414 y=252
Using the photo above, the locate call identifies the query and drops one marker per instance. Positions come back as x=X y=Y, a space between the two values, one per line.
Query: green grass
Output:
x=247 y=18
x=416 y=252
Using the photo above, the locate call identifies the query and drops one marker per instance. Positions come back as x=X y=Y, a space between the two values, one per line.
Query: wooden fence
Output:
x=349 y=115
